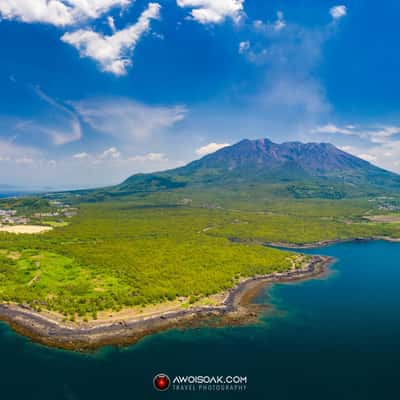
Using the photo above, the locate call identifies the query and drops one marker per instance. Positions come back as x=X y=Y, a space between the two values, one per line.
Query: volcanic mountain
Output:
x=299 y=166
x=295 y=169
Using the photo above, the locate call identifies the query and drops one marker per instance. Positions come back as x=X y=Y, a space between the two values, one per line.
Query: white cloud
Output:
x=110 y=154
x=154 y=157
x=367 y=157
x=280 y=23
x=113 y=52
x=64 y=136
x=257 y=57
x=210 y=148
x=332 y=128
x=95 y=8
x=244 y=47
x=80 y=156
x=378 y=144
x=56 y=12
x=383 y=134
x=24 y=160
x=338 y=12
x=347 y=149
x=111 y=23
x=50 y=12
x=214 y=11
x=126 y=119
x=113 y=154
x=270 y=27
x=379 y=134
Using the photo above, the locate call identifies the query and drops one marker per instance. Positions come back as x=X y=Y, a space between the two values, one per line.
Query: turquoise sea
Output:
x=336 y=337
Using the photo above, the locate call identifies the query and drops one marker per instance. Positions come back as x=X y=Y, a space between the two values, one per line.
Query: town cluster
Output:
x=13 y=217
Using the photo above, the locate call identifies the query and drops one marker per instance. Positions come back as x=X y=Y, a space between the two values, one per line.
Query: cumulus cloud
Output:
x=113 y=52
x=338 y=12
x=127 y=119
x=213 y=11
x=210 y=148
x=111 y=153
x=56 y=12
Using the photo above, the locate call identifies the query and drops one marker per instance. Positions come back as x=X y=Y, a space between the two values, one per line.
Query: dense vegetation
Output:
x=113 y=255
x=132 y=252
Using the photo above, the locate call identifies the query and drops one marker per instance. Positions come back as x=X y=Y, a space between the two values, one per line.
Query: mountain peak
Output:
x=265 y=155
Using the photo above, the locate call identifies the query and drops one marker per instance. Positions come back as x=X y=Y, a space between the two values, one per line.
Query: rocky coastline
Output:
x=78 y=337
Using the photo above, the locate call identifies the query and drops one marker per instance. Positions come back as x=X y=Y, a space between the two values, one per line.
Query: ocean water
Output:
x=336 y=337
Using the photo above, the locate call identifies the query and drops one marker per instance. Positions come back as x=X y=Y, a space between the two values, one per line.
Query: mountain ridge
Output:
x=295 y=169
x=262 y=159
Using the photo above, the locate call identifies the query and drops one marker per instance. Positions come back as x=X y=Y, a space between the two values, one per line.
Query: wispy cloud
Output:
x=332 y=129
x=126 y=119
x=378 y=134
x=11 y=151
x=213 y=11
x=379 y=144
x=149 y=157
x=114 y=52
x=60 y=135
x=80 y=156
x=290 y=54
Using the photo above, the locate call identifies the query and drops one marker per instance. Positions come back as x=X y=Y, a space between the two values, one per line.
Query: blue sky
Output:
x=93 y=91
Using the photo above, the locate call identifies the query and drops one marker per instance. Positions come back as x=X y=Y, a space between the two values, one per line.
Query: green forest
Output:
x=137 y=252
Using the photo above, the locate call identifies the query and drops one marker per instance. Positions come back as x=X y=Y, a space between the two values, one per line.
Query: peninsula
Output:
x=184 y=246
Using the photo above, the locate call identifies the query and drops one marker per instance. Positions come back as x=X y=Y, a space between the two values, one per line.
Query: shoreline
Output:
x=235 y=308
x=326 y=243
x=315 y=245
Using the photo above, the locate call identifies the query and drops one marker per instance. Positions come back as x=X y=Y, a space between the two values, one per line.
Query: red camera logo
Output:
x=161 y=382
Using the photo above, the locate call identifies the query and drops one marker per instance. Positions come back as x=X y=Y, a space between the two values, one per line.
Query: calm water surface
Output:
x=331 y=338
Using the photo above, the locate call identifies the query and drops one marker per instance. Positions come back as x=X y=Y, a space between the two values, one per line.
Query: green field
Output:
x=139 y=251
